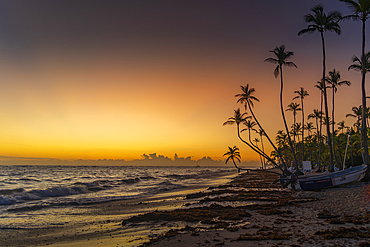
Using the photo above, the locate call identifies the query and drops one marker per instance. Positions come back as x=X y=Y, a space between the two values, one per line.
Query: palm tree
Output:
x=281 y=138
x=294 y=107
x=357 y=113
x=334 y=80
x=247 y=98
x=281 y=57
x=342 y=126
x=309 y=127
x=302 y=94
x=256 y=140
x=321 y=22
x=317 y=115
x=361 y=11
x=261 y=133
x=233 y=154
x=249 y=124
x=363 y=66
x=240 y=118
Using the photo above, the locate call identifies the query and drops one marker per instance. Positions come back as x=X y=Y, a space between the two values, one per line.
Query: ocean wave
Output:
x=11 y=191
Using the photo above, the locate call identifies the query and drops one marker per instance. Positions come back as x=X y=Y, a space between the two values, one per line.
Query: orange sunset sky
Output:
x=116 y=79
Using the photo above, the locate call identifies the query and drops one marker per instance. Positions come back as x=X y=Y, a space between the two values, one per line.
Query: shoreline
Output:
x=248 y=210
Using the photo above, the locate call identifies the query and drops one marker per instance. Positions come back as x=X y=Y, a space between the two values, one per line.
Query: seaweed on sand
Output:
x=265 y=233
x=343 y=232
x=192 y=214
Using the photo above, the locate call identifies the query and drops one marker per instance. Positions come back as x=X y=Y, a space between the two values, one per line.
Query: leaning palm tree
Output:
x=247 y=98
x=361 y=11
x=334 y=80
x=294 y=107
x=321 y=22
x=302 y=94
x=233 y=154
x=240 y=118
x=280 y=58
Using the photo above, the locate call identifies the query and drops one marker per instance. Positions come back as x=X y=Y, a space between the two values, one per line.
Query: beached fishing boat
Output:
x=328 y=180
x=331 y=179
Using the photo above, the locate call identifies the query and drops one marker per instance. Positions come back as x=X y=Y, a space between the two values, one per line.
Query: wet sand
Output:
x=249 y=211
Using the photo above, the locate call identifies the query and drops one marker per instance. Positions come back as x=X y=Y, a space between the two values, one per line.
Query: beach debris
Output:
x=343 y=232
x=265 y=233
x=325 y=214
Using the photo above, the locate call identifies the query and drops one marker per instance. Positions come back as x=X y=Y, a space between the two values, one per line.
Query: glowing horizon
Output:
x=73 y=87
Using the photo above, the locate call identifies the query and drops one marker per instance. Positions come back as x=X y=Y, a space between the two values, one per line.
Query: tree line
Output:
x=307 y=140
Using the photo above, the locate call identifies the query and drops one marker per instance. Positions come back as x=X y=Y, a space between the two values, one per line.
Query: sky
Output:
x=117 y=79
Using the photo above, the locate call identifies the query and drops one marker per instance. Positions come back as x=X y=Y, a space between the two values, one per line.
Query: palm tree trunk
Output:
x=331 y=167
x=268 y=138
x=332 y=116
x=282 y=113
x=364 y=127
x=302 y=131
x=263 y=149
x=263 y=154
x=320 y=132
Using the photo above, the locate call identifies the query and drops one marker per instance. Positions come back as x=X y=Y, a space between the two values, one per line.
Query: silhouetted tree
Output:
x=301 y=95
x=321 y=22
x=334 y=80
x=281 y=57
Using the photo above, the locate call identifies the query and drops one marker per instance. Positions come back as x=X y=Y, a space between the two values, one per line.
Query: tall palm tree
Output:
x=317 y=115
x=321 y=22
x=280 y=58
x=240 y=118
x=247 y=98
x=361 y=11
x=363 y=65
x=301 y=95
x=334 y=80
x=233 y=154
x=294 y=107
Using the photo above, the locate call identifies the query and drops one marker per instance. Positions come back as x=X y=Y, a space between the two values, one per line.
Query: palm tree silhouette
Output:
x=240 y=118
x=321 y=22
x=294 y=107
x=233 y=154
x=317 y=115
x=249 y=124
x=301 y=95
x=361 y=11
x=247 y=98
x=342 y=126
x=334 y=80
x=281 y=57
x=261 y=133
x=256 y=140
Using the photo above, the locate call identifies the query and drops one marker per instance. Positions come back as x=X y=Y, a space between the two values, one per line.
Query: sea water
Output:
x=39 y=196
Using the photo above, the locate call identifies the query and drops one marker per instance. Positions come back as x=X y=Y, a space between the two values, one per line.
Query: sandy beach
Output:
x=248 y=211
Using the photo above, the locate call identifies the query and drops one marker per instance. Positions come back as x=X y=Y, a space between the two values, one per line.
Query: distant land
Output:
x=147 y=160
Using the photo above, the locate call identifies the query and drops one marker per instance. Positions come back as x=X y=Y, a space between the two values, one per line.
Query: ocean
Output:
x=45 y=196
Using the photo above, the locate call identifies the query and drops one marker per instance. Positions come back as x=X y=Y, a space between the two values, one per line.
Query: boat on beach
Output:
x=327 y=180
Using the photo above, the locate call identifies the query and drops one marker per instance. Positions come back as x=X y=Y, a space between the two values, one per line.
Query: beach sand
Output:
x=248 y=211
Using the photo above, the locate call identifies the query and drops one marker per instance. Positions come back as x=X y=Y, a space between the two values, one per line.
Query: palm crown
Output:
x=321 y=22
x=357 y=63
x=281 y=57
